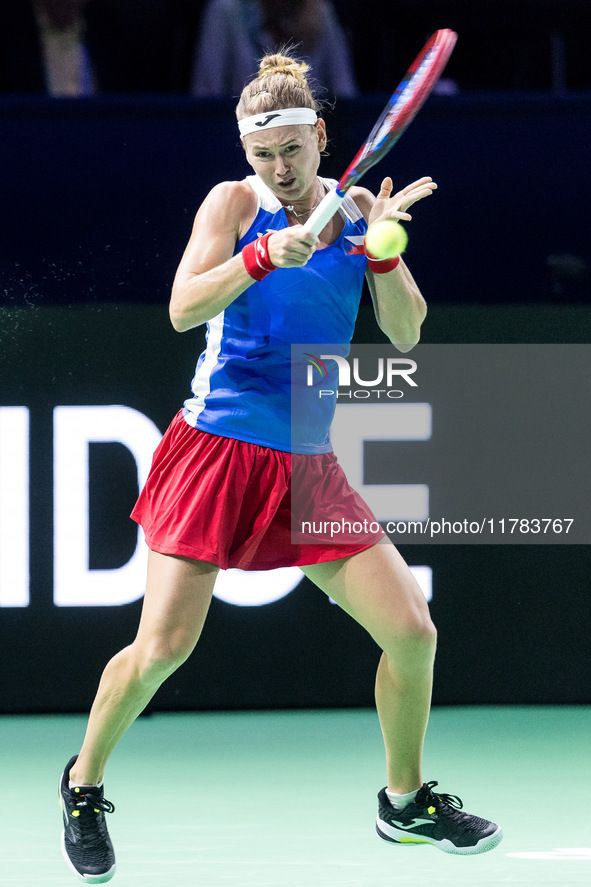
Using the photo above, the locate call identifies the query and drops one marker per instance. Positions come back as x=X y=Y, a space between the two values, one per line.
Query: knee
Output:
x=412 y=643
x=158 y=659
x=429 y=640
x=421 y=634
x=426 y=631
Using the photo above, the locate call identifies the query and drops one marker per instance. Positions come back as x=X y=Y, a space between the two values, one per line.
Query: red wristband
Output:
x=256 y=259
x=381 y=266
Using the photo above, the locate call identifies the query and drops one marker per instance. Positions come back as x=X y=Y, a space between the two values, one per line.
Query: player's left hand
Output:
x=387 y=207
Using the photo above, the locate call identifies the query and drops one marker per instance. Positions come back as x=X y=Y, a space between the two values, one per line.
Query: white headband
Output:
x=283 y=117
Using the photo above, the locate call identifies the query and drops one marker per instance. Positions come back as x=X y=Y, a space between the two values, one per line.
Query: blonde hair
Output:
x=280 y=83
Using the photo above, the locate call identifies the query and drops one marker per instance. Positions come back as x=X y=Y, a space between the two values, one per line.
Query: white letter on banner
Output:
x=14 y=507
x=255 y=588
x=355 y=424
x=74 y=585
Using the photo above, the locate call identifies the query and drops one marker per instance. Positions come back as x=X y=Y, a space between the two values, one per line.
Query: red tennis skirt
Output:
x=237 y=504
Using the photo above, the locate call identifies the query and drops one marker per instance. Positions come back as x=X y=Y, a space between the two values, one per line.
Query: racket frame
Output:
x=403 y=105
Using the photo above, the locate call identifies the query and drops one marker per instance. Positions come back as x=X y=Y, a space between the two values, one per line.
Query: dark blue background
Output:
x=98 y=196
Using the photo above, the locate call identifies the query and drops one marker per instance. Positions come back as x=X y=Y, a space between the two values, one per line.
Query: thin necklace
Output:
x=306 y=212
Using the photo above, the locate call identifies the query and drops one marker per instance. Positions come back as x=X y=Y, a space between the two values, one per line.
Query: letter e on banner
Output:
x=355 y=424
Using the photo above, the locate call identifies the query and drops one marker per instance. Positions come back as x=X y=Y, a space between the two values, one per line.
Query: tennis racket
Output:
x=404 y=104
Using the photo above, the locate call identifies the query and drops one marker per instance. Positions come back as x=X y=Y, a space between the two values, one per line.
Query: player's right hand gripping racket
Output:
x=402 y=107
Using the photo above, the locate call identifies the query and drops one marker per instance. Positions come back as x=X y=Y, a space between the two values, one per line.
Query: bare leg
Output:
x=378 y=590
x=178 y=594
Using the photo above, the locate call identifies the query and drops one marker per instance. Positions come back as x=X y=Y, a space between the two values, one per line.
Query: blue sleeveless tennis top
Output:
x=258 y=379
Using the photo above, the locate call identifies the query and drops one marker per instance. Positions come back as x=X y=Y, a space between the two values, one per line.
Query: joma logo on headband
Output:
x=267 y=119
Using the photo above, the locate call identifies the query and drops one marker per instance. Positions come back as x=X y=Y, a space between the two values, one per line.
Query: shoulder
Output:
x=363 y=198
x=230 y=205
x=232 y=196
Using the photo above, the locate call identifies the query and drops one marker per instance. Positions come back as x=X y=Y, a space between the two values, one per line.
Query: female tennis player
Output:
x=218 y=494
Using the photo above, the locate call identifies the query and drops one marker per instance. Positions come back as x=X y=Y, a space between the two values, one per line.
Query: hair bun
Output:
x=281 y=82
x=283 y=64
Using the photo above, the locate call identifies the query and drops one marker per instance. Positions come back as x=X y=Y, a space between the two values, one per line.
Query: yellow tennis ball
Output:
x=386 y=239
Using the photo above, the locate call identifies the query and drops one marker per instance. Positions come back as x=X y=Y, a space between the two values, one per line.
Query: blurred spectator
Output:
x=235 y=34
x=81 y=47
x=43 y=48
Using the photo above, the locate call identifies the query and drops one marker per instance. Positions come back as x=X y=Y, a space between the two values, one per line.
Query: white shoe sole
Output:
x=400 y=836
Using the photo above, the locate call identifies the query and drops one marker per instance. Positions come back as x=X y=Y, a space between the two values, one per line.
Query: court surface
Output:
x=287 y=799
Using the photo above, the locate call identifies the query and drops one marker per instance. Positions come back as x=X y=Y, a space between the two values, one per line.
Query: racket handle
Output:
x=324 y=211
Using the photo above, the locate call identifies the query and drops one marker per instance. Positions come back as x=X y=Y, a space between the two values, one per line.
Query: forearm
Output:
x=197 y=298
x=208 y=280
x=399 y=306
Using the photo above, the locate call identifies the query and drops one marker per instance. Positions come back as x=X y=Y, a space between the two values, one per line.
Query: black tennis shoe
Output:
x=86 y=845
x=436 y=819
